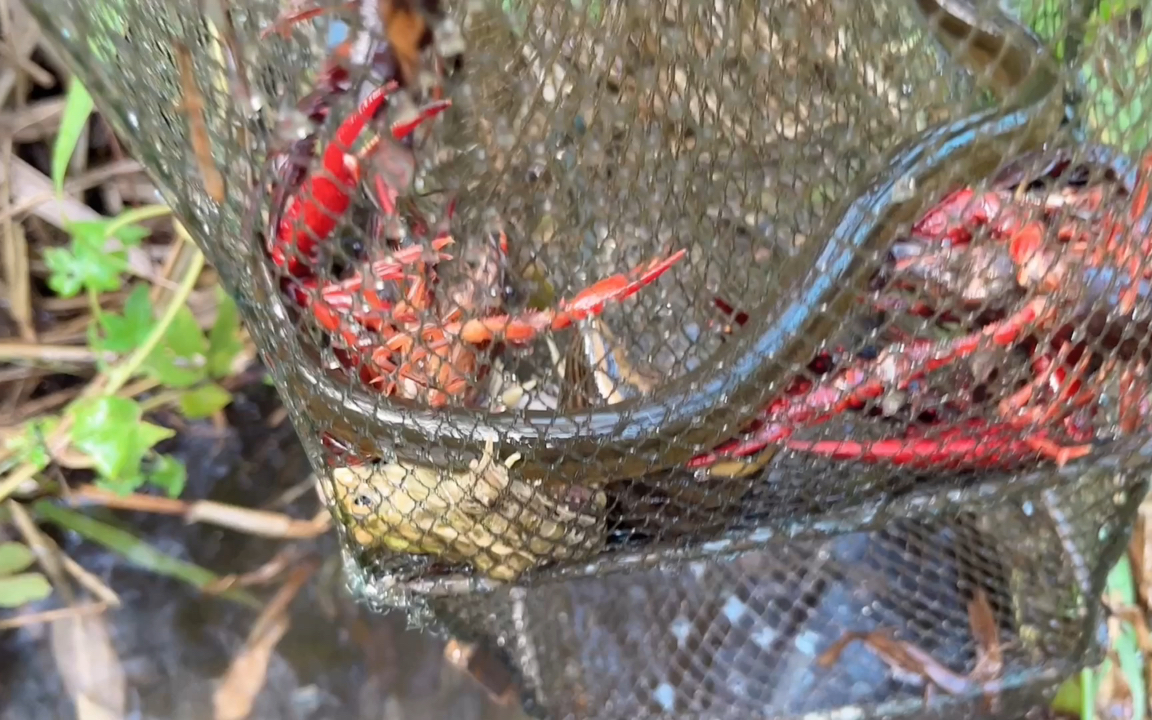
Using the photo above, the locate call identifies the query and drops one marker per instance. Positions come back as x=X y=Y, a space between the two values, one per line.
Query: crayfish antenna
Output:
x=965 y=451
x=591 y=301
x=520 y=329
x=284 y=24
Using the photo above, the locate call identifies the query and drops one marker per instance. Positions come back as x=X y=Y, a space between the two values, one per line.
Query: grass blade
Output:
x=77 y=107
x=136 y=550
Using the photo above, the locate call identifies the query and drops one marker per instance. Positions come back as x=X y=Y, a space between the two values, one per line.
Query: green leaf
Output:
x=85 y=263
x=66 y=278
x=224 y=337
x=112 y=432
x=204 y=401
x=15 y=557
x=77 y=107
x=1068 y=699
x=1122 y=591
x=18 y=590
x=28 y=446
x=129 y=235
x=125 y=485
x=124 y=333
x=168 y=474
x=124 y=228
x=179 y=360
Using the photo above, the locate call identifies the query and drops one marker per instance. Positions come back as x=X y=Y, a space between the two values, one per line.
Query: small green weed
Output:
x=18 y=587
x=167 y=347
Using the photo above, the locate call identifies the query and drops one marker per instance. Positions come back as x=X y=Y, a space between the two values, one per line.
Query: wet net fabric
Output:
x=658 y=345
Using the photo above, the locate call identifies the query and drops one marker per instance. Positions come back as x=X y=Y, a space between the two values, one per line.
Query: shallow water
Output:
x=337 y=660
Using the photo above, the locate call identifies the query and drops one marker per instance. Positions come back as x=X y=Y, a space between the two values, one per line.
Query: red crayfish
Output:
x=377 y=316
x=1061 y=282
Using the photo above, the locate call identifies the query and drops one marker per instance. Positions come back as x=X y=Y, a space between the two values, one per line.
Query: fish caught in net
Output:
x=702 y=359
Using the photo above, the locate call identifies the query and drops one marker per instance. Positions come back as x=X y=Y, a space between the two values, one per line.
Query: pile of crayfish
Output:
x=395 y=320
x=1052 y=285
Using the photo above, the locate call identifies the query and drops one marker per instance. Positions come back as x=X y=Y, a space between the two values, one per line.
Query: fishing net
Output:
x=666 y=347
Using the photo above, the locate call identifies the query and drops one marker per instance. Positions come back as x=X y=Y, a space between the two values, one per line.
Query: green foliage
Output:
x=224 y=340
x=1046 y=18
x=77 y=108
x=1118 y=88
x=1077 y=695
x=86 y=264
x=17 y=587
x=28 y=446
x=204 y=401
x=113 y=433
x=1113 y=68
x=135 y=550
x=126 y=332
x=168 y=474
x=180 y=360
x=109 y=429
x=184 y=358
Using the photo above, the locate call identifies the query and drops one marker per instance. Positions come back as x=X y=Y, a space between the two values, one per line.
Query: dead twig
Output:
x=16 y=274
x=253 y=522
x=48 y=616
x=36 y=121
x=192 y=104
x=911 y=661
x=262 y=575
x=78 y=184
x=39 y=75
x=88 y=581
x=39 y=352
x=28 y=182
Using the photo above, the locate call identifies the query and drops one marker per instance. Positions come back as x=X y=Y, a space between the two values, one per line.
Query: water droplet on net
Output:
x=292 y=126
x=904 y=189
x=256 y=102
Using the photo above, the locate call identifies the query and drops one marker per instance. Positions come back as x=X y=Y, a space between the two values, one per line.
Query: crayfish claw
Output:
x=408 y=124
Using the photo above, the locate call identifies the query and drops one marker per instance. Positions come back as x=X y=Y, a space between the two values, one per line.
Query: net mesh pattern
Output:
x=660 y=344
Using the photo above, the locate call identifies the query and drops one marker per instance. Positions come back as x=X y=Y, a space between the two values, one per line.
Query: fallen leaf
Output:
x=246 y=675
x=86 y=709
x=989 y=654
x=262 y=575
x=237 y=692
x=89 y=667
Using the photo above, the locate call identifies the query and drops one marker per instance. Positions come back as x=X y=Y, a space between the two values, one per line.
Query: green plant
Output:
x=77 y=107
x=168 y=347
x=18 y=587
x=1113 y=70
x=1078 y=695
